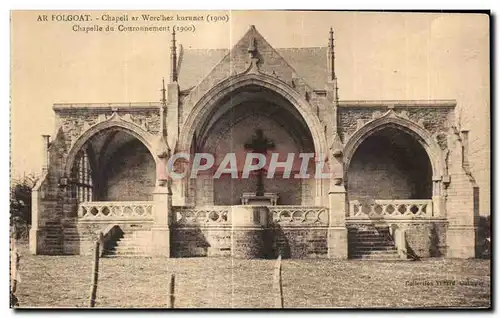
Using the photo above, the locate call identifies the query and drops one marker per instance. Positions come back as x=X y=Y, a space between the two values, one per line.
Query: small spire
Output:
x=331 y=57
x=163 y=93
x=173 y=60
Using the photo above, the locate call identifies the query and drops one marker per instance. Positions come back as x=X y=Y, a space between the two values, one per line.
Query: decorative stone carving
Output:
x=433 y=119
x=298 y=215
x=391 y=209
x=376 y=114
x=162 y=150
x=403 y=114
x=442 y=140
x=421 y=122
x=359 y=123
x=347 y=119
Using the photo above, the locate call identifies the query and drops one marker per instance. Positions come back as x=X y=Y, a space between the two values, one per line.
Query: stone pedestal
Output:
x=247 y=231
x=337 y=242
x=337 y=231
x=36 y=240
x=162 y=210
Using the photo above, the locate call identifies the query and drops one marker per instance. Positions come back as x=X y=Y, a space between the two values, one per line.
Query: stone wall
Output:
x=290 y=242
x=389 y=167
x=85 y=235
x=130 y=174
x=426 y=239
x=201 y=241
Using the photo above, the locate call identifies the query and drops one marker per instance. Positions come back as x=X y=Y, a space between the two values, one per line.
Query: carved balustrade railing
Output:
x=399 y=209
x=296 y=215
x=200 y=215
x=116 y=210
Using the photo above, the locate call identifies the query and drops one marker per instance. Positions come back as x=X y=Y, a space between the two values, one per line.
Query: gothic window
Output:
x=82 y=178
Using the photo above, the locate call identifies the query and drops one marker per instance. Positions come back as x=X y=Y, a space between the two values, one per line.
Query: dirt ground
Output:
x=64 y=281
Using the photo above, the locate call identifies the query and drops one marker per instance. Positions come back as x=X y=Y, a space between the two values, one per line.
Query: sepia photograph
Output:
x=250 y=159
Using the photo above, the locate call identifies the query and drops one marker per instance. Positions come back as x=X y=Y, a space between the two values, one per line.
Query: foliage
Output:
x=484 y=237
x=20 y=204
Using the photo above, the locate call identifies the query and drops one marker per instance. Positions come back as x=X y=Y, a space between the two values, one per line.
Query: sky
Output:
x=378 y=56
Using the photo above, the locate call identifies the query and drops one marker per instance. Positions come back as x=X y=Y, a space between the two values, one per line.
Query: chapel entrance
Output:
x=113 y=165
x=254 y=119
x=390 y=164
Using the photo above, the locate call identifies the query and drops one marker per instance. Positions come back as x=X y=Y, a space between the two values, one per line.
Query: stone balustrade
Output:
x=116 y=210
x=209 y=215
x=399 y=209
x=296 y=215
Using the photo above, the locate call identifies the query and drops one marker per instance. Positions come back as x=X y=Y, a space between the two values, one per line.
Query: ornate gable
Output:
x=251 y=54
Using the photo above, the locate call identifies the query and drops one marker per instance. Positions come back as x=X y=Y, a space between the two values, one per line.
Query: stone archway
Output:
x=431 y=165
x=389 y=165
x=245 y=104
x=202 y=108
x=390 y=119
x=114 y=122
x=111 y=161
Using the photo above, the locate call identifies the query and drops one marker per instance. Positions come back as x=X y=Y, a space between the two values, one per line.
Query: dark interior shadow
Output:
x=188 y=242
x=276 y=243
x=110 y=239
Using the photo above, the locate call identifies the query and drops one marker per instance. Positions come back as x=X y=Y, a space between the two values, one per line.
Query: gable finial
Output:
x=173 y=60
x=252 y=47
x=331 y=57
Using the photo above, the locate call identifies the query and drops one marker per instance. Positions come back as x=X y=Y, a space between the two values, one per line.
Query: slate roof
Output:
x=310 y=64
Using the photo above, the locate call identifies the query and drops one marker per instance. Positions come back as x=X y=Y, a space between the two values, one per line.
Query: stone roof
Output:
x=309 y=63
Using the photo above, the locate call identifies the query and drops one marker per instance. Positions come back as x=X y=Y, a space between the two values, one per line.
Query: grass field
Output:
x=64 y=281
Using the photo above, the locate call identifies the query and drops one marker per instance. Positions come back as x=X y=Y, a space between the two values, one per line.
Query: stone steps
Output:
x=372 y=244
x=132 y=244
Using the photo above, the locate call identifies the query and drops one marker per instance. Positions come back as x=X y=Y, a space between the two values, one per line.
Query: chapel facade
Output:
x=400 y=185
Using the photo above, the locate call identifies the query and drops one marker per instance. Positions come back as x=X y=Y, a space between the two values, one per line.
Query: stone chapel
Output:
x=400 y=185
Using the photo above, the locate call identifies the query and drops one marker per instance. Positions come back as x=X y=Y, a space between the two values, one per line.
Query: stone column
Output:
x=35 y=241
x=45 y=153
x=162 y=218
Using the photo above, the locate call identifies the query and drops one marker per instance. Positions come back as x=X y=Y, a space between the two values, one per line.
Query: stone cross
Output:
x=259 y=144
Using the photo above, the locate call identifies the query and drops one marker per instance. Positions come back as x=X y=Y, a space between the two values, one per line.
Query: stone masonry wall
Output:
x=216 y=241
x=130 y=174
x=426 y=239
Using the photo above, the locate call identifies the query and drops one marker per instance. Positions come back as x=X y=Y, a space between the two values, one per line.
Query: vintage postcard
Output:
x=250 y=159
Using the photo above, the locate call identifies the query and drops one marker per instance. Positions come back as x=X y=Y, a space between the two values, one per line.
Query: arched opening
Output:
x=239 y=118
x=389 y=164
x=113 y=165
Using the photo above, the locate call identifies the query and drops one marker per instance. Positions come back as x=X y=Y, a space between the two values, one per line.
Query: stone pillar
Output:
x=337 y=231
x=35 y=237
x=247 y=231
x=461 y=212
x=45 y=153
x=162 y=215
x=337 y=203
x=437 y=202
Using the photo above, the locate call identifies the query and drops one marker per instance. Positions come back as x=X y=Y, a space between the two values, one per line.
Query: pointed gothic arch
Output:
x=114 y=122
x=391 y=119
x=208 y=102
